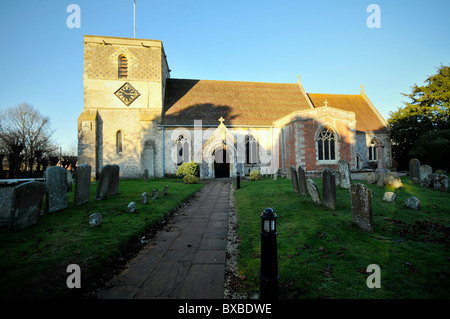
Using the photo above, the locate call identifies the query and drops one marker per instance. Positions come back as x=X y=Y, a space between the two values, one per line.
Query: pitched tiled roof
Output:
x=254 y=103
x=367 y=118
x=239 y=103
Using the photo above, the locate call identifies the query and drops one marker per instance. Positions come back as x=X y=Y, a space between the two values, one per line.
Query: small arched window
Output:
x=182 y=150
x=123 y=66
x=119 y=141
x=373 y=150
x=251 y=150
x=326 y=145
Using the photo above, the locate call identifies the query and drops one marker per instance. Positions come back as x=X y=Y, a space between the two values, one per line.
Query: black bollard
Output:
x=238 y=181
x=269 y=260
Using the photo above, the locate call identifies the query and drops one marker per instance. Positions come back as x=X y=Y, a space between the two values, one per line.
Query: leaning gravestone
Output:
x=294 y=179
x=26 y=205
x=82 y=184
x=361 y=201
x=166 y=188
x=329 y=188
x=344 y=172
x=302 y=180
x=313 y=190
x=414 y=169
x=425 y=171
x=56 y=188
x=155 y=194
x=69 y=180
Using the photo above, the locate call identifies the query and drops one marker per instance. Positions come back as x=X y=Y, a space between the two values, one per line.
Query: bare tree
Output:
x=25 y=136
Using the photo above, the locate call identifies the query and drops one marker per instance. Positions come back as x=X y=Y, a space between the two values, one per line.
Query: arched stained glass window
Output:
x=182 y=150
x=119 y=141
x=373 y=150
x=251 y=150
x=326 y=145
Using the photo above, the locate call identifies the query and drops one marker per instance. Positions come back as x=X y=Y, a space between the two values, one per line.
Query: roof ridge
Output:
x=203 y=80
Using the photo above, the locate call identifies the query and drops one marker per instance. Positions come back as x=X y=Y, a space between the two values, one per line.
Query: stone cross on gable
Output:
x=325 y=103
x=221 y=120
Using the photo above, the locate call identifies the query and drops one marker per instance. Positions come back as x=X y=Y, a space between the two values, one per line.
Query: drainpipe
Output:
x=282 y=149
x=163 y=151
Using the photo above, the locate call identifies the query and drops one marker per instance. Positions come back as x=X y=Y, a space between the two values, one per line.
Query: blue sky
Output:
x=326 y=42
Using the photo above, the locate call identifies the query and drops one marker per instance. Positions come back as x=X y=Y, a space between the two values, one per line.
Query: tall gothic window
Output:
x=326 y=145
x=119 y=140
x=123 y=66
x=251 y=150
x=182 y=150
x=373 y=150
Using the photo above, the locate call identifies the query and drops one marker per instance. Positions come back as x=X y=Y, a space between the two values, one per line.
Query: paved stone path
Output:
x=187 y=258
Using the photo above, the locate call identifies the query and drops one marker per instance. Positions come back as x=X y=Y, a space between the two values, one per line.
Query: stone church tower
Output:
x=124 y=87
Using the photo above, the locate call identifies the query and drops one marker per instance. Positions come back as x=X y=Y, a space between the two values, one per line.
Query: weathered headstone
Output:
x=344 y=172
x=302 y=181
x=108 y=183
x=131 y=207
x=154 y=194
x=56 y=188
x=144 y=198
x=294 y=179
x=361 y=201
x=113 y=187
x=389 y=197
x=412 y=202
x=166 y=188
x=26 y=205
x=82 y=184
x=95 y=219
x=146 y=175
x=313 y=190
x=414 y=169
x=329 y=188
x=440 y=182
x=425 y=171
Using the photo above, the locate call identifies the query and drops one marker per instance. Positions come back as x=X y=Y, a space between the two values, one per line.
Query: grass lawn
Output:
x=321 y=254
x=34 y=260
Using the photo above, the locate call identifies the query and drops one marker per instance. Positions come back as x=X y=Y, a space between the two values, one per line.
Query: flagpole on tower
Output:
x=134 y=16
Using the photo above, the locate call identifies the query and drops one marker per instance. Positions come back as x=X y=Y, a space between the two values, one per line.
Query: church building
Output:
x=138 y=117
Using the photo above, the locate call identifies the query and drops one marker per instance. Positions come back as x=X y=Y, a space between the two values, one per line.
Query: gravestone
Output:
x=26 y=205
x=414 y=169
x=329 y=188
x=146 y=175
x=82 y=184
x=361 y=201
x=425 y=171
x=412 y=202
x=302 y=180
x=144 y=198
x=294 y=179
x=440 y=182
x=344 y=172
x=131 y=207
x=95 y=219
x=389 y=197
x=113 y=187
x=166 y=188
x=56 y=188
x=154 y=194
x=69 y=180
x=313 y=190
x=108 y=183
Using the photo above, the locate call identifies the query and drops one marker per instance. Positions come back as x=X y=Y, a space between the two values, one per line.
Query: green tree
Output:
x=427 y=111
